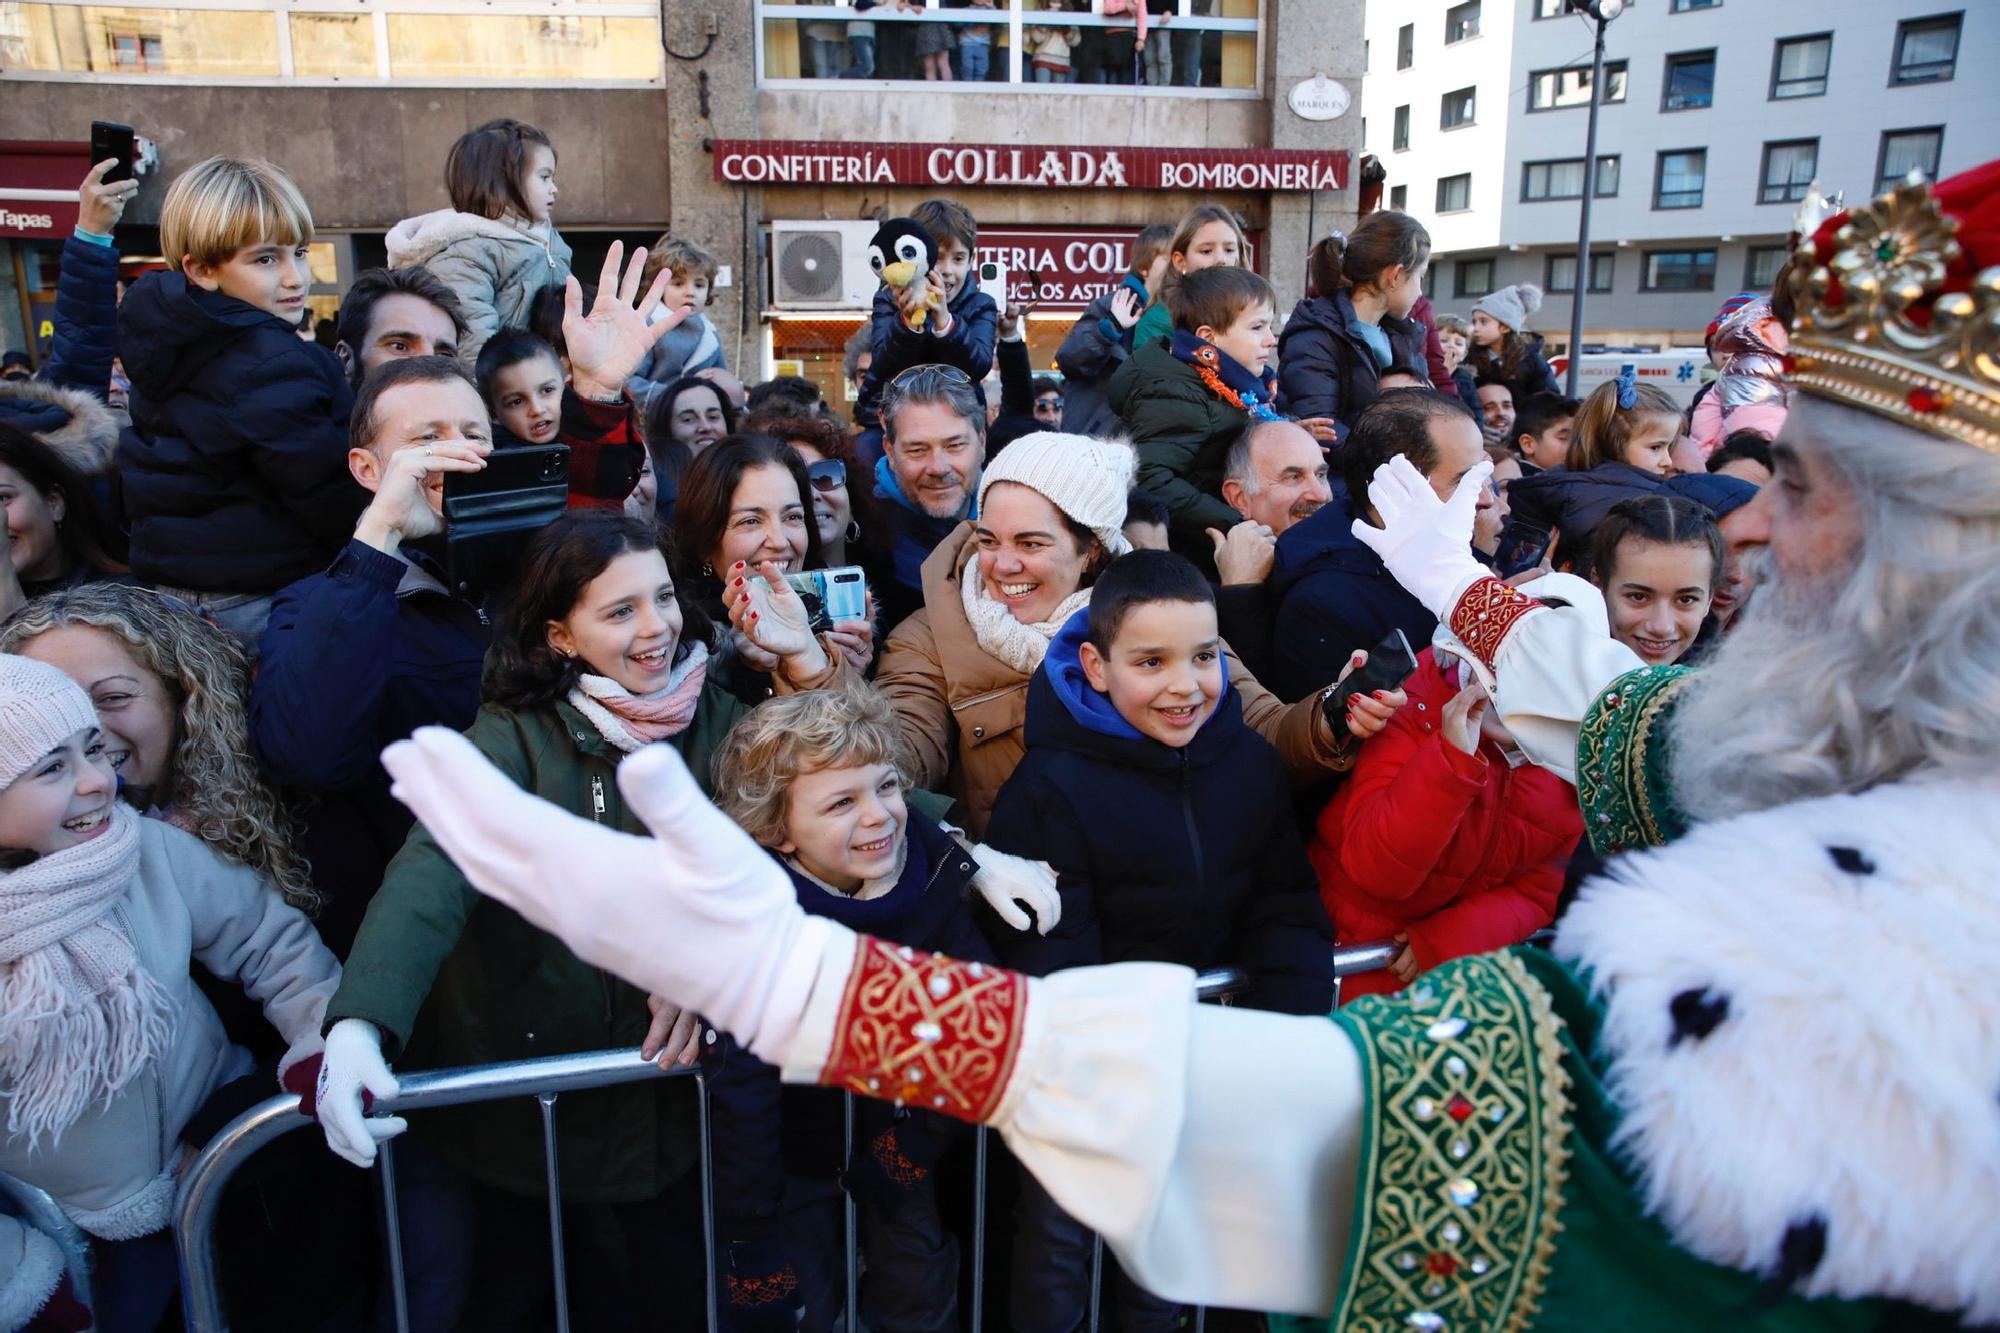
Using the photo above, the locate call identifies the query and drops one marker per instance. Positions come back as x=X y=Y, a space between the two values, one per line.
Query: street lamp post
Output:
x=1600 y=12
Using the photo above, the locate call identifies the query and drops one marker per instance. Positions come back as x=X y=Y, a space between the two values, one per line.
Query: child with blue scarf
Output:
x=1184 y=402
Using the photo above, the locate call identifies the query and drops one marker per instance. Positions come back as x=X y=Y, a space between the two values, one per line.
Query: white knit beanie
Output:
x=40 y=708
x=1511 y=305
x=1087 y=478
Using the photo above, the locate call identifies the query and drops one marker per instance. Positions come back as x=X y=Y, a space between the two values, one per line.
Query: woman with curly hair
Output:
x=169 y=689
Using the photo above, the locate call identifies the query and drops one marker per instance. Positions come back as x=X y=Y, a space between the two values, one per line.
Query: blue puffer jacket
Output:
x=1165 y=855
x=356 y=657
x=235 y=467
x=86 y=320
x=968 y=347
x=765 y=1131
x=1334 y=596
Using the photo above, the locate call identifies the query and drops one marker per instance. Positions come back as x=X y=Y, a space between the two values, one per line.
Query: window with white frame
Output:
x=448 y=42
x=1212 y=45
x=1556 y=89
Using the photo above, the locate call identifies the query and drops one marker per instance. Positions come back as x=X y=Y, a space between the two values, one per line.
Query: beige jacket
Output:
x=961 y=709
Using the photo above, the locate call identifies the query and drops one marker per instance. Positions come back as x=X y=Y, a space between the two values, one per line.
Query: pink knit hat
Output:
x=40 y=708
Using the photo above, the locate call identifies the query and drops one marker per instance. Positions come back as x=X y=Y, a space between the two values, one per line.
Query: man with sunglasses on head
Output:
x=933 y=447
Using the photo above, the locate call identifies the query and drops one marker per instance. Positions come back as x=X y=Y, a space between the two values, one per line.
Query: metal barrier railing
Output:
x=546 y=1079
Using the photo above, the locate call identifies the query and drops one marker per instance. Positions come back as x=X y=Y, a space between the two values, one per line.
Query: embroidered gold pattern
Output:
x=1464 y=1152
x=921 y=1029
x=1622 y=780
x=1484 y=614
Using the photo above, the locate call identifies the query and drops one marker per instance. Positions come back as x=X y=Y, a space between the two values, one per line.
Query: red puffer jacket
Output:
x=1460 y=851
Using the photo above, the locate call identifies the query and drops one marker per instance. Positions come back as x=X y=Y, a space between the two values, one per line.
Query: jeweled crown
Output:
x=1886 y=318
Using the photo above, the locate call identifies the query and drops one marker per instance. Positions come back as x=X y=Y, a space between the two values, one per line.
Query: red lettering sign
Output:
x=1032 y=166
x=1066 y=268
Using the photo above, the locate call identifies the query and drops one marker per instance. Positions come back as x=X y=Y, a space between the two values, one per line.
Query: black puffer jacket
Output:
x=1574 y=503
x=1325 y=369
x=235 y=466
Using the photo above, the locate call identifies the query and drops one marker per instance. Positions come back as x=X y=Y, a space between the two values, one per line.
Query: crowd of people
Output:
x=895 y=39
x=1092 y=709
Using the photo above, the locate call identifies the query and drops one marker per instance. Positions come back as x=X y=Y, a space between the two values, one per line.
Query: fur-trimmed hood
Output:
x=76 y=424
x=1802 y=1032
x=420 y=239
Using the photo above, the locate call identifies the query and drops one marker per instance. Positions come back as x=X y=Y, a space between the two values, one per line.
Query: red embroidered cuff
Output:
x=920 y=1029
x=1485 y=613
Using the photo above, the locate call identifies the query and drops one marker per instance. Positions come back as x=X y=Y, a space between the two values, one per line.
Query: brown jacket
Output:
x=961 y=709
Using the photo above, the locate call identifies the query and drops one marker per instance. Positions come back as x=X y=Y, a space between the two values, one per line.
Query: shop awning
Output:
x=38 y=180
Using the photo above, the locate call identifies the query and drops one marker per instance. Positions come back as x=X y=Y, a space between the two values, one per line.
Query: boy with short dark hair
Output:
x=694 y=345
x=961 y=334
x=521 y=378
x=1186 y=401
x=1101 y=339
x=1542 y=431
x=527 y=390
x=1169 y=824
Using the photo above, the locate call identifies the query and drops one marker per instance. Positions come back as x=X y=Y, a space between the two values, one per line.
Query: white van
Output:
x=1676 y=370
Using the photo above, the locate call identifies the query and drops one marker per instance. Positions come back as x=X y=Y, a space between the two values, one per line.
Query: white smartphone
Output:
x=993 y=281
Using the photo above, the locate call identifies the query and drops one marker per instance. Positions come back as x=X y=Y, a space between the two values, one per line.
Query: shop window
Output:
x=1557 y=89
x=1905 y=151
x=1926 y=49
x=1798 y=69
x=1210 y=45
x=1788 y=169
x=1690 y=82
x=1679 y=271
x=1559 y=277
x=1680 y=178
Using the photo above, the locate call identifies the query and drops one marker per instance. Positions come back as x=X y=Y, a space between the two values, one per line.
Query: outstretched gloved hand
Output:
x=1005 y=880
x=697 y=911
x=351 y=1070
x=1426 y=542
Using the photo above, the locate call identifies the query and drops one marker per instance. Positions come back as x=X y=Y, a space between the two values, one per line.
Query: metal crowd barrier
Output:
x=545 y=1080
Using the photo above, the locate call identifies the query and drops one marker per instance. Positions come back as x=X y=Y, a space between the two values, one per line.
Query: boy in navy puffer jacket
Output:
x=817 y=778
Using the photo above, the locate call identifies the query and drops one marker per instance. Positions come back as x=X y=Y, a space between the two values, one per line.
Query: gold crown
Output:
x=1871 y=329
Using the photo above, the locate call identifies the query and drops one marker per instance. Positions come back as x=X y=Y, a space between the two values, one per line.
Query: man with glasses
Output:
x=1048 y=402
x=933 y=447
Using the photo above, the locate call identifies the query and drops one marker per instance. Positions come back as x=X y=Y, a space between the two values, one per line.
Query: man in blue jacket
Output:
x=1333 y=593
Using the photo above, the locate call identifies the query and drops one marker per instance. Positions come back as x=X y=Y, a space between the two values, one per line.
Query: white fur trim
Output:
x=1856 y=1077
x=417 y=240
x=37 y=1270
x=88 y=441
x=137 y=1215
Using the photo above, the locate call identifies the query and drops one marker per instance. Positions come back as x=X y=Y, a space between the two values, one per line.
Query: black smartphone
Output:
x=110 y=139
x=1522 y=546
x=1389 y=664
x=489 y=514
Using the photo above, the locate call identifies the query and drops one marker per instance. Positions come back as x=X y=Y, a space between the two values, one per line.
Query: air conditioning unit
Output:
x=822 y=266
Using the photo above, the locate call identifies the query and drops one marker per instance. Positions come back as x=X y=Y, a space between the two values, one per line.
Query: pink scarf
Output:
x=633 y=721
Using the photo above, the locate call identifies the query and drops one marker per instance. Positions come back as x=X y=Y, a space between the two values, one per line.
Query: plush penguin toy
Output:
x=903 y=252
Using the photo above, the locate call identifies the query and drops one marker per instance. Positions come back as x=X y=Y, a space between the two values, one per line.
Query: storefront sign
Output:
x=1065 y=268
x=38 y=181
x=1319 y=98
x=1004 y=166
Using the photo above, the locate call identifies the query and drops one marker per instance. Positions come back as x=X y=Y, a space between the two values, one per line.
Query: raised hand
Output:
x=1126 y=308
x=99 y=206
x=607 y=344
x=1425 y=542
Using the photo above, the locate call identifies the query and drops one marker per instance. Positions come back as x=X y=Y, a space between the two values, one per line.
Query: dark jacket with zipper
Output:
x=235 y=466
x=1334 y=596
x=1168 y=855
x=1574 y=503
x=968 y=346
x=775 y=1131
x=452 y=977
x=1182 y=433
x=354 y=658
x=1090 y=354
x=1326 y=369
x=1531 y=377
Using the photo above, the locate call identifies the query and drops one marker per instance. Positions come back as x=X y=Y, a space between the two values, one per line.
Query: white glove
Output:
x=1426 y=542
x=1004 y=880
x=351 y=1063
x=698 y=911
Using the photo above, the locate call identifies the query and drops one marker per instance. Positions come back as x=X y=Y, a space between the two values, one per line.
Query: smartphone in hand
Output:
x=110 y=139
x=1389 y=664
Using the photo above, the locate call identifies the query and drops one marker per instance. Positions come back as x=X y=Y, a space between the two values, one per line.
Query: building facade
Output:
x=731 y=122
x=1716 y=115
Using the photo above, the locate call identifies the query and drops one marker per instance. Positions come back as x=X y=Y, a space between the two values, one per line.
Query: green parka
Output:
x=1182 y=433
x=454 y=978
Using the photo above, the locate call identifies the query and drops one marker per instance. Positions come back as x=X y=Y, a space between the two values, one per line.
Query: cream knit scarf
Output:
x=633 y=721
x=79 y=1017
x=993 y=625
